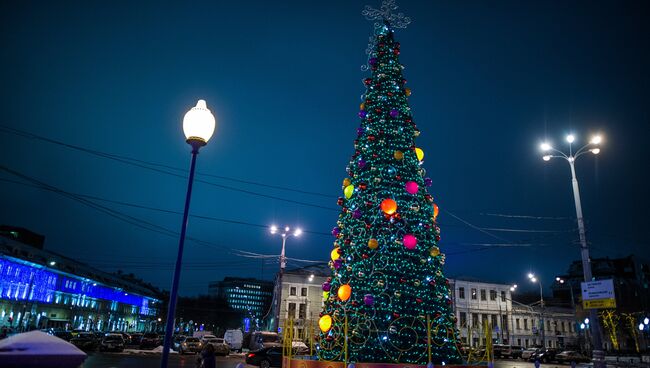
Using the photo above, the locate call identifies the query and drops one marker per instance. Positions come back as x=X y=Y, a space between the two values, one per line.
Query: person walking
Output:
x=207 y=358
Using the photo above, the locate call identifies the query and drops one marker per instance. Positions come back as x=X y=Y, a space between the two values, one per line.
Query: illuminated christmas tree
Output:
x=387 y=283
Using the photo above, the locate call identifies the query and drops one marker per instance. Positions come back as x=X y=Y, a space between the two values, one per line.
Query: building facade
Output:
x=41 y=289
x=478 y=304
x=302 y=299
x=249 y=296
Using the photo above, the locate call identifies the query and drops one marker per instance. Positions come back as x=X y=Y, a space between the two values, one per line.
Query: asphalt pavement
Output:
x=152 y=360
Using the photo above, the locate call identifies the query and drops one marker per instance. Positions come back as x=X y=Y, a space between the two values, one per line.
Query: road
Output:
x=124 y=360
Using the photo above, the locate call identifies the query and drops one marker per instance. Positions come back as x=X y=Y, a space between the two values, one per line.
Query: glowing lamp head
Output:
x=545 y=146
x=557 y=279
x=582 y=326
x=546 y=157
x=570 y=138
x=586 y=321
x=641 y=326
x=297 y=232
x=531 y=276
x=596 y=139
x=274 y=229
x=199 y=123
x=52 y=263
x=646 y=321
x=595 y=151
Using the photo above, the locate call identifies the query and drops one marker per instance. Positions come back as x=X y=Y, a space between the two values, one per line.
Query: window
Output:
x=292 y=310
x=562 y=324
x=493 y=320
x=292 y=291
x=473 y=294
x=526 y=327
x=463 y=319
x=548 y=325
x=526 y=341
x=303 y=292
x=461 y=292
x=519 y=342
x=302 y=311
x=503 y=296
x=474 y=319
x=518 y=326
x=483 y=297
x=493 y=295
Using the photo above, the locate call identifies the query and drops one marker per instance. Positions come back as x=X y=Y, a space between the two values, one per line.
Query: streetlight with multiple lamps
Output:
x=284 y=233
x=593 y=146
x=534 y=279
x=562 y=281
x=198 y=127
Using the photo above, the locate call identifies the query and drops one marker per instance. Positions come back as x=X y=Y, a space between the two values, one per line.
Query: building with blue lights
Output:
x=250 y=296
x=41 y=289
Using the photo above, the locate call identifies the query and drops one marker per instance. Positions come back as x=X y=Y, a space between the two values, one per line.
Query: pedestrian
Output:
x=207 y=358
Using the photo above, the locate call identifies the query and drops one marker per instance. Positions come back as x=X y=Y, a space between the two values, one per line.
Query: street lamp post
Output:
x=198 y=126
x=562 y=281
x=534 y=279
x=594 y=147
x=284 y=233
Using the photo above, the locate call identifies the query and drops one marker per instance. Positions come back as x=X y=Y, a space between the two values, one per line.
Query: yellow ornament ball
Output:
x=407 y=91
x=434 y=251
x=419 y=153
x=348 y=191
x=373 y=243
x=325 y=323
x=398 y=155
x=344 y=292
x=346 y=182
x=335 y=254
x=326 y=294
x=362 y=106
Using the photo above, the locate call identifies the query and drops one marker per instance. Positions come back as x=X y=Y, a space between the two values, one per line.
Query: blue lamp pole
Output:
x=198 y=126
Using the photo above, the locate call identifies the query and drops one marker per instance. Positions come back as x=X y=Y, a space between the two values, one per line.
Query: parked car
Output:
x=112 y=342
x=265 y=357
x=63 y=334
x=261 y=339
x=234 y=339
x=85 y=341
x=299 y=347
x=188 y=345
x=125 y=336
x=219 y=344
x=525 y=355
x=136 y=338
x=515 y=352
x=571 y=356
x=149 y=341
x=501 y=351
x=544 y=355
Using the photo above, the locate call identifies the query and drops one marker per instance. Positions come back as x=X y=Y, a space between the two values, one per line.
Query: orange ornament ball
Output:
x=436 y=210
x=389 y=206
x=373 y=243
x=344 y=292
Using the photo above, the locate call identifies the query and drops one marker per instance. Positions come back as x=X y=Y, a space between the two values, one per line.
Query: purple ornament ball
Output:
x=428 y=182
x=336 y=231
x=362 y=114
x=394 y=113
x=356 y=214
x=361 y=164
x=327 y=286
x=337 y=264
x=372 y=61
x=368 y=299
x=359 y=132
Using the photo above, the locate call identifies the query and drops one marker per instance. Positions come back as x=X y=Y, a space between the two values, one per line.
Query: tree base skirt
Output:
x=305 y=363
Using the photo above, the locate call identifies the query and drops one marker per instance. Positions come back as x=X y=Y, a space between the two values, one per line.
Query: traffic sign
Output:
x=599 y=303
x=598 y=294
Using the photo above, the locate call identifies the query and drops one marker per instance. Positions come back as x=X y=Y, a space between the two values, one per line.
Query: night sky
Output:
x=490 y=81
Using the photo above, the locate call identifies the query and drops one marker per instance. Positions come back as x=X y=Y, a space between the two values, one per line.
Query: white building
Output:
x=302 y=299
x=477 y=303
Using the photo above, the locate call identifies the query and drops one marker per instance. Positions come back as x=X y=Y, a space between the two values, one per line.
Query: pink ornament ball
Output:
x=410 y=241
x=411 y=187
